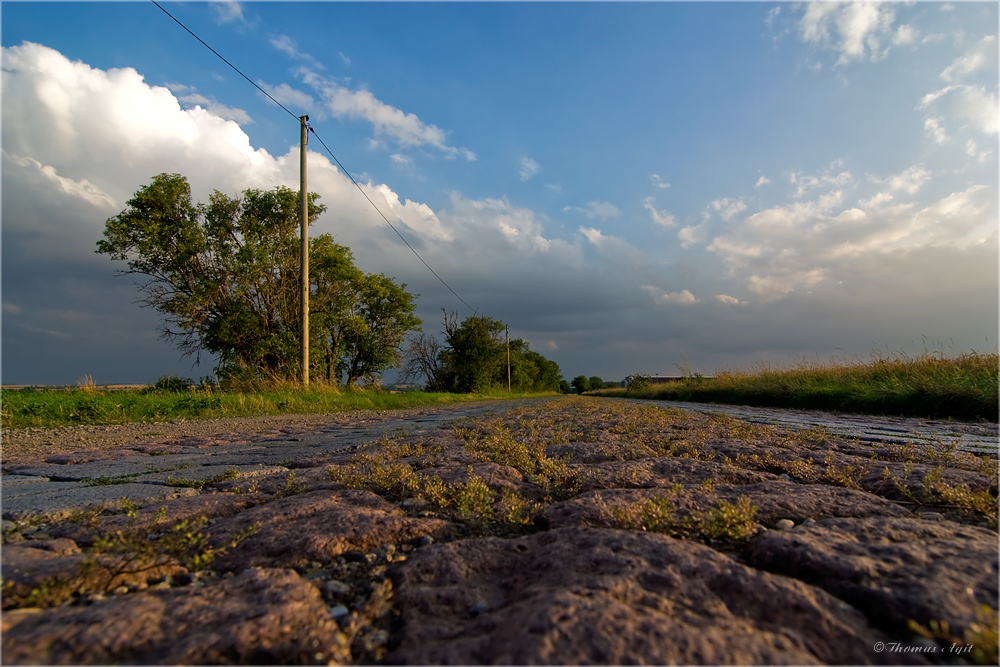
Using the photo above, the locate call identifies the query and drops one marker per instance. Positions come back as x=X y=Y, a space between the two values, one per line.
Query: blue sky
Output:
x=628 y=185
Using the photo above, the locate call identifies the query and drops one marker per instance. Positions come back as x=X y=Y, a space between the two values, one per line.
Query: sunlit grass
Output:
x=962 y=387
x=24 y=408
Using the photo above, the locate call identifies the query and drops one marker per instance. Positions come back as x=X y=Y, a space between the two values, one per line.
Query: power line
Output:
x=401 y=238
x=344 y=169
x=235 y=68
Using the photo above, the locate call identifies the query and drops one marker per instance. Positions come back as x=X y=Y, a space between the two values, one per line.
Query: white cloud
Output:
x=804 y=184
x=691 y=235
x=684 y=297
x=772 y=15
x=728 y=300
x=597 y=210
x=288 y=96
x=932 y=126
x=659 y=217
x=728 y=208
x=289 y=47
x=405 y=128
x=220 y=110
x=399 y=158
x=905 y=34
x=983 y=54
x=972 y=104
x=528 y=168
x=763 y=180
x=658 y=182
x=854 y=30
x=228 y=11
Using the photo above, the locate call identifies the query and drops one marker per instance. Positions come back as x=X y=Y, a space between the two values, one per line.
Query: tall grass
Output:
x=963 y=387
x=23 y=408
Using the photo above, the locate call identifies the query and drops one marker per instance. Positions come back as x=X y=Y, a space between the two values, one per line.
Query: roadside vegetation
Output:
x=47 y=408
x=962 y=387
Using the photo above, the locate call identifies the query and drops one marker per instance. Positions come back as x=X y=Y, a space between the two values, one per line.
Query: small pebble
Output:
x=478 y=608
x=784 y=524
x=785 y=476
x=317 y=575
x=931 y=516
x=425 y=540
x=121 y=590
x=339 y=611
x=808 y=522
x=7 y=526
x=334 y=587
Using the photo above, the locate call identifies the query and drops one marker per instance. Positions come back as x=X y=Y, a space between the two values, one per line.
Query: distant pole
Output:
x=304 y=261
x=507 y=330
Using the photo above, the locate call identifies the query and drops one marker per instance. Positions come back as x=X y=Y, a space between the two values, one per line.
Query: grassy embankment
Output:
x=963 y=387
x=45 y=408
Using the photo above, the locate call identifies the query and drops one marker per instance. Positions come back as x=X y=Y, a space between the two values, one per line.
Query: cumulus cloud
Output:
x=528 y=169
x=658 y=182
x=597 y=210
x=932 y=126
x=854 y=30
x=728 y=208
x=659 y=217
x=228 y=11
x=982 y=55
x=684 y=297
x=804 y=183
x=220 y=110
x=405 y=128
x=973 y=104
x=691 y=235
x=728 y=300
x=794 y=247
x=288 y=96
x=763 y=180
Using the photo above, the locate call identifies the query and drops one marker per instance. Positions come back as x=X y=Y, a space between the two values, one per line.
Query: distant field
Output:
x=964 y=387
x=45 y=408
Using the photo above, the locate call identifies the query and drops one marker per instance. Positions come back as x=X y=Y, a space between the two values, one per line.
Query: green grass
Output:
x=963 y=387
x=23 y=408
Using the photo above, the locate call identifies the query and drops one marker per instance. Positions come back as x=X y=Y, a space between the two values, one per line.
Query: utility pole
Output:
x=507 y=330
x=304 y=261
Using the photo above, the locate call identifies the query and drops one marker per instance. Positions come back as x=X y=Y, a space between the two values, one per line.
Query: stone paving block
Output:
x=62 y=501
x=114 y=468
x=202 y=473
x=20 y=480
x=35 y=488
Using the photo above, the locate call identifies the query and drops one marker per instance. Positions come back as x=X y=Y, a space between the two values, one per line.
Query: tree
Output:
x=581 y=383
x=474 y=354
x=374 y=332
x=596 y=383
x=473 y=358
x=422 y=358
x=225 y=276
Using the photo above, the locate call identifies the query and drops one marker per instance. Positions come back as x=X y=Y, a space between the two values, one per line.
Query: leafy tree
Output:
x=581 y=383
x=564 y=387
x=225 y=276
x=474 y=354
x=596 y=383
x=473 y=358
x=374 y=331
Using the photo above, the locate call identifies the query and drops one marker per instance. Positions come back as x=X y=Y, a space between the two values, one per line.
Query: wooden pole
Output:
x=304 y=261
x=507 y=330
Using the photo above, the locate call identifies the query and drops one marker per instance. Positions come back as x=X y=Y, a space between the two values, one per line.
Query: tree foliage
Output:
x=225 y=276
x=473 y=358
x=580 y=383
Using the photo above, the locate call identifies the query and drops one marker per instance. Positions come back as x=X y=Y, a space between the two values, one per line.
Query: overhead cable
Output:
x=344 y=169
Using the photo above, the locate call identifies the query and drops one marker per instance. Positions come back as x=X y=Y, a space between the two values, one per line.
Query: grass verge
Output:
x=937 y=387
x=46 y=408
